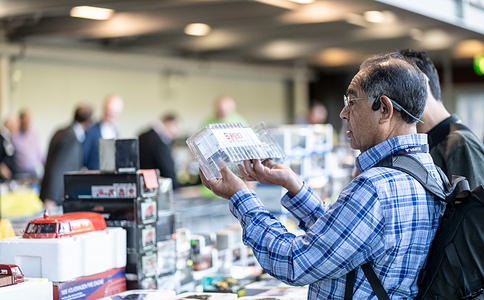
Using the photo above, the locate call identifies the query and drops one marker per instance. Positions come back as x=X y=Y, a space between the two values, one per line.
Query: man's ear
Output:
x=386 y=109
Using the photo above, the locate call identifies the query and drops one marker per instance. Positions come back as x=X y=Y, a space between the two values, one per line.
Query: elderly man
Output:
x=383 y=217
x=105 y=129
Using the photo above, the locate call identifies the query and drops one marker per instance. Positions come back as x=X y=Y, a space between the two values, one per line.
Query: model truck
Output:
x=10 y=274
x=65 y=225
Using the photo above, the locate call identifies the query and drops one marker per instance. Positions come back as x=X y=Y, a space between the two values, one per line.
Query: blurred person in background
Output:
x=225 y=112
x=29 y=162
x=155 y=147
x=7 y=149
x=105 y=129
x=453 y=146
x=65 y=155
x=317 y=114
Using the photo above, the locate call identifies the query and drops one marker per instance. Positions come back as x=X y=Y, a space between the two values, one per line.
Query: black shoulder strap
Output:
x=410 y=165
x=414 y=168
x=372 y=278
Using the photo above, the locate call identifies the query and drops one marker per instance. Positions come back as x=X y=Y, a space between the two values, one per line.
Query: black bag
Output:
x=455 y=264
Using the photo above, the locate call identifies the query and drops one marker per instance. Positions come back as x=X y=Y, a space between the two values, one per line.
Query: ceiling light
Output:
x=302 y=1
x=356 y=19
x=282 y=50
x=197 y=29
x=416 y=34
x=468 y=48
x=374 y=16
x=90 y=12
x=436 y=40
x=279 y=3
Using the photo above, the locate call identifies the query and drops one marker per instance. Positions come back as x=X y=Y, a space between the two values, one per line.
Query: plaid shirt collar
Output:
x=386 y=148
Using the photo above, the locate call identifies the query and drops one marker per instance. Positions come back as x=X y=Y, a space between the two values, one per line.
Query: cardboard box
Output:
x=91 y=287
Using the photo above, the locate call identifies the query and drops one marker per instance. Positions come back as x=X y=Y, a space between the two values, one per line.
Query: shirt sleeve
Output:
x=305 y=206
x=347 y=235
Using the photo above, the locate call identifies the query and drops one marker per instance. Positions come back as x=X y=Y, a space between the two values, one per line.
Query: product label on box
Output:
x=148 y=212
x=148 y=236
x=117 y=190
x=92 y=287
x=148 y=264
x=125 y=190
x=104 y=191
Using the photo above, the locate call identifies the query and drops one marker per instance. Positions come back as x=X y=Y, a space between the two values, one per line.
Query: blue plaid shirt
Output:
x=383 y=216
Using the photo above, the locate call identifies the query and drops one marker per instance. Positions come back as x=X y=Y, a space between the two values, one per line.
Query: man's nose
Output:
x=343 y=114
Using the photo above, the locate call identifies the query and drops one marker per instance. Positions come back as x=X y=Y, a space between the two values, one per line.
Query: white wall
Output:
x=51 y=87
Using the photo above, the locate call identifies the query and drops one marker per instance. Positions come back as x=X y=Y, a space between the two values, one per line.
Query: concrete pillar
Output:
x=4 y=86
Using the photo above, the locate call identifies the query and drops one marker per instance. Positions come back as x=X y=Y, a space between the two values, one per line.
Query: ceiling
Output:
x=326 y=33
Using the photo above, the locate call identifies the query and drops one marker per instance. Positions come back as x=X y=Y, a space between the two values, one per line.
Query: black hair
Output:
x=398 y=78
x=83 y=113
x=423 y=62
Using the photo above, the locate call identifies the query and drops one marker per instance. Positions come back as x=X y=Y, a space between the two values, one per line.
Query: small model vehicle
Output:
x=10 y=274
x=65 y=225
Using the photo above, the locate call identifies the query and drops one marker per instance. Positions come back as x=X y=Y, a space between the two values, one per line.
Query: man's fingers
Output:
x=258 y=167
x=204 y=180
x=269 y=163
x=245 y=174
x=249 y=169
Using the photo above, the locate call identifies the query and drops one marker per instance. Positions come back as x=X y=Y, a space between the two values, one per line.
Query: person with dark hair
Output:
x=453 y=146
x=155 y=147
x=384 y=216
x=64 y=155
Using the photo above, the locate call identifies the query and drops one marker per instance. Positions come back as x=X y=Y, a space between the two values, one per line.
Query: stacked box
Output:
x=165 y=229
x=127 y=200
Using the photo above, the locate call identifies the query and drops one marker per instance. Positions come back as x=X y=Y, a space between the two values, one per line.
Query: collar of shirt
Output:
x=441 y=130
x=79 y=131
x=160 y=128
x=108 y=130
x=386 y=148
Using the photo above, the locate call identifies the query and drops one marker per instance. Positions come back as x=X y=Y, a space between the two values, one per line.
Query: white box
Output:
x=30 y=289
x=64 y=259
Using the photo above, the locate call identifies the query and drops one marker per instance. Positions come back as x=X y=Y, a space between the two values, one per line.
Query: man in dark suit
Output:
x=105 y=129
x=65 y=154
x=155 y=147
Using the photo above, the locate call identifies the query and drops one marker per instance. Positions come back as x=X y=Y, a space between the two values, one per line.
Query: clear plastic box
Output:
x=216 y=146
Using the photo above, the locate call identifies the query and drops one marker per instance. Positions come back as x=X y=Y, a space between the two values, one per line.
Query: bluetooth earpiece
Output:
x=376 y=105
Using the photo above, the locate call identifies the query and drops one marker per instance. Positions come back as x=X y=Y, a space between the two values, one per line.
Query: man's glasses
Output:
x=350 y=101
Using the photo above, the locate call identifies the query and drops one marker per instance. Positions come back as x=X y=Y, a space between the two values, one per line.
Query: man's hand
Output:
x=226 y=186
x=271 y=173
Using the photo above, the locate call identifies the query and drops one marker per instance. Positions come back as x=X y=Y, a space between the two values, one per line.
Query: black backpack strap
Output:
x=375 y=282
x=350 y=282
x=372 y=278
x=414 y=168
